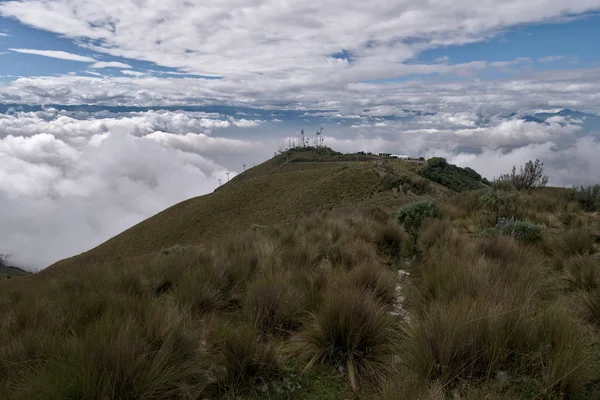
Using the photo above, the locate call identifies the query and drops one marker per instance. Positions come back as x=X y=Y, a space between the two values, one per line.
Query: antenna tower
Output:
x=227 y=173
x=321 y=135
x=244 y=165
x=220 y=182
x=302 y=136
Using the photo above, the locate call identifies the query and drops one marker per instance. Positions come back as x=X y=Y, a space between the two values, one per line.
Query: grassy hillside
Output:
x=6 y=272
x=290 y=185
x=329 y=297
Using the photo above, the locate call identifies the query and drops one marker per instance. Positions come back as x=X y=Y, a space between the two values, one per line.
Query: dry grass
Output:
x=243 y=314
x=353 y=332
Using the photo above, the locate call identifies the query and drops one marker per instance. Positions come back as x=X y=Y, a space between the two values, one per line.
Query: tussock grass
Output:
x=578 y=240
x=243 y=359
x=196 y=304
x=582 y=272
x=390 y=240
x=274 y=304
x=351 y=331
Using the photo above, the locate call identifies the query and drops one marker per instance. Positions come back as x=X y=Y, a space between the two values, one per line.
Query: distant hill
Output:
x=9 y=271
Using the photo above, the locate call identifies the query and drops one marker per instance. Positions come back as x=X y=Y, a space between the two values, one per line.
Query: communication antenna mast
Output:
x=321 y=135
x=244 y=165
x=302 y=135
x=220 y=182
x=227 y=173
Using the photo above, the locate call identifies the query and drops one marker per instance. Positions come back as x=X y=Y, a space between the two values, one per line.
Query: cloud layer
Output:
x=69 y=182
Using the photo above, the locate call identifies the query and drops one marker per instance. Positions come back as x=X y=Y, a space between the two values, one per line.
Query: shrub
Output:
x=497 y=203
x=587 y=197
x=531 y=176
x=413 y=215
x=524 y=231
x=351 y=331
x=177 y=248
x=458 y=179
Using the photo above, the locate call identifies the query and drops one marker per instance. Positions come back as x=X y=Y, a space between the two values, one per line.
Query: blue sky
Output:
x=13 y=64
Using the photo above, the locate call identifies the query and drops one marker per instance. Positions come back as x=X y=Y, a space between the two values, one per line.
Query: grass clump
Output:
x=582 y=272
x=154 y=356
x=576 y=240
x=244 y=360
x=274 y=304
x=353 y=332
x=390 y=240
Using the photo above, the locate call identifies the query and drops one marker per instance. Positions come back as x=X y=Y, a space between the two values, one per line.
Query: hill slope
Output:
x=280 y=190
x=332 y=300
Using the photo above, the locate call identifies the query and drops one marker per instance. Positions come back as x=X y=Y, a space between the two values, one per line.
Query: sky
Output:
x=111 y=111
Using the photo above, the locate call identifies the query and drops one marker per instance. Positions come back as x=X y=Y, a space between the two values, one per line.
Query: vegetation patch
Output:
x=456 y=178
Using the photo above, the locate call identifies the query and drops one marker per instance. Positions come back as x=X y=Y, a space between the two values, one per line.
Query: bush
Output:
x=531 y=176
x=524 y=231
x=351 y=331
x=413 y=215
x=177 y=248
x=458 y=179
x=587 y=197
x=498 y=203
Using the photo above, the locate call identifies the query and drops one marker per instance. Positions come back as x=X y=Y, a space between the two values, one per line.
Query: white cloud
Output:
x=133 y=73
x=2 y=34
x=545 y=90
x=110 y=64
x=576 y=164
x=284 y=41
x=68 y=183
x=550 y=59
x=63 y=55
